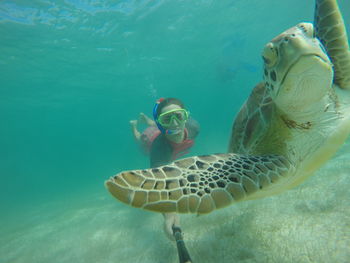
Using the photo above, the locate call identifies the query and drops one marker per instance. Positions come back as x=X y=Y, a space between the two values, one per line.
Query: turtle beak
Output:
x=269 y=55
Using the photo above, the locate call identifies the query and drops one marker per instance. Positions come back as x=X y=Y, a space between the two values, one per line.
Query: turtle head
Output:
x=297 y=70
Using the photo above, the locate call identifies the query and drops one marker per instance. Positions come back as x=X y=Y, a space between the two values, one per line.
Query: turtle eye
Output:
x=269 y=55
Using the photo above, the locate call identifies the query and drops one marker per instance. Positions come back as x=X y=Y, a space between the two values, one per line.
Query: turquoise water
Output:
x=72 y=75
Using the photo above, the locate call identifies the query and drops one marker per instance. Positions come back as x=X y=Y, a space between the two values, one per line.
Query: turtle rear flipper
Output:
x=330 y=30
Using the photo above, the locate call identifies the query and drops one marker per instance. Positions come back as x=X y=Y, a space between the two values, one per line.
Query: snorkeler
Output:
x=170 y=135
x=167 y=138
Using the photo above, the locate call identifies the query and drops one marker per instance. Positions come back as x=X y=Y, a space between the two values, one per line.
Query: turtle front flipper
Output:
x=330 y=30
x=199 y=184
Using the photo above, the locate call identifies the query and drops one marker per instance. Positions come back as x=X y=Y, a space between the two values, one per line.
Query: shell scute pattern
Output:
x=153 y=196
x=158 y=173
x=207 y=158
x=193 y=203
x=133 y=179
x=147 y=173
x=236 y=191
x=213 y=184
x=264 y=181
x=148 y=184
x=248 y=185
x=221 y=198
x=140 y=197
x=171 y=171
x=184 y=163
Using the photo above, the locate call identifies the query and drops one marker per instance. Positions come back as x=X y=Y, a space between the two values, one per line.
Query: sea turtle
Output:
x=292 y=123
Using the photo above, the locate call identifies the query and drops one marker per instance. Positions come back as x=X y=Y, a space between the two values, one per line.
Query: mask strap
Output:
x=155 y=117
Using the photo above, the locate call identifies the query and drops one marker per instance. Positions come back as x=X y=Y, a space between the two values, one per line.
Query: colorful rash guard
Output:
x=163 y=151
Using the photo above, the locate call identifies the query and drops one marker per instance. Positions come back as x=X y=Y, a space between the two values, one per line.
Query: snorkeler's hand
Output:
x=170 y=220
x=133 y=123
x=142 y=117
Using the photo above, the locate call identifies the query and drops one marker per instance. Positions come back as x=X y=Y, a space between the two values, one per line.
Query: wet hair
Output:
x=169 y=101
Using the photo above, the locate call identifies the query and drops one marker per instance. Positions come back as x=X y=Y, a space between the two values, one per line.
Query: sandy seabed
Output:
x=310 y=223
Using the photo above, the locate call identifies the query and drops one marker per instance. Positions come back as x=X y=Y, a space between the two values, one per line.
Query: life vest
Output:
x=182 y=148
x=147 y=138
x=179 y=149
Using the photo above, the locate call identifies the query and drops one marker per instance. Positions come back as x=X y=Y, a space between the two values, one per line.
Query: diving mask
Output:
x=166 y=119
